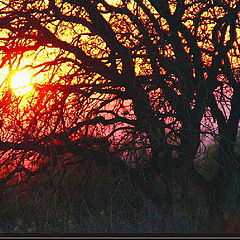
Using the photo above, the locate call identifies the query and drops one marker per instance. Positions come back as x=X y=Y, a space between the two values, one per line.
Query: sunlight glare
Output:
x=114 y=2
x=21 y=82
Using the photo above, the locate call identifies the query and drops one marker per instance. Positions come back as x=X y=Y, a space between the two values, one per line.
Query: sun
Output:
x=21 y=82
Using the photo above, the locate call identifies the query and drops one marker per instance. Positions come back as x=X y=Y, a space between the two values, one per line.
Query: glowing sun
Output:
x=21 y=82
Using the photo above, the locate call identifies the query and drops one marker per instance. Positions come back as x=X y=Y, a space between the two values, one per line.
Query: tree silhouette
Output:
x=132 y=84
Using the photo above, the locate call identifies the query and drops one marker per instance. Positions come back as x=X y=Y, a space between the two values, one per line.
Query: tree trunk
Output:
x=215 y=208
x=154 y=193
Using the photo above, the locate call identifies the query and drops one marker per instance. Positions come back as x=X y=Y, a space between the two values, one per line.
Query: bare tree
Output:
x=128 y=80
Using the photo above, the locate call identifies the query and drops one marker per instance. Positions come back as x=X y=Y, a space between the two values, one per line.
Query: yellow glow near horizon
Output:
x=21 y=82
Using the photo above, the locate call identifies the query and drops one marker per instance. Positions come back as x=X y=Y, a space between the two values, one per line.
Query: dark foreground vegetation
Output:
x=112 y=205
x=71 y=201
